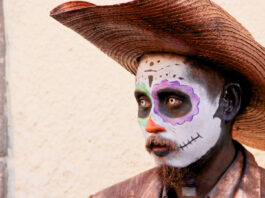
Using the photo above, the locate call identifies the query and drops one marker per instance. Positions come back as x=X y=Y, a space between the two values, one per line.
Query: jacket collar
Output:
x=241 y=180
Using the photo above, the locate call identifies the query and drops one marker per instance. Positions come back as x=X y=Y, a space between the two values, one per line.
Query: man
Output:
x=199 y=80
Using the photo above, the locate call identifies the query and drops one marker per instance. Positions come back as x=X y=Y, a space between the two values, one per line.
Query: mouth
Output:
x=161 y=151
x=159 y=146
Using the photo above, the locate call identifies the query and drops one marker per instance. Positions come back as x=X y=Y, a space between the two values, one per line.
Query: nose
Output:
x=152 y=127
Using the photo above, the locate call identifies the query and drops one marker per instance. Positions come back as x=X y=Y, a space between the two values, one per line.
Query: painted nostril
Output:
x=152 y=127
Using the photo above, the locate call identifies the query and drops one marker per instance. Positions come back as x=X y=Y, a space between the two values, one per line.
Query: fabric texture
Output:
x=243 y=179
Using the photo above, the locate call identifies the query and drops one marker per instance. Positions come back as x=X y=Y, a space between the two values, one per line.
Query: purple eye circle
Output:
x=174 y=102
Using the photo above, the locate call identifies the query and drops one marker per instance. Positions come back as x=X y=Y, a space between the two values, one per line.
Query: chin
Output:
x=176 y=160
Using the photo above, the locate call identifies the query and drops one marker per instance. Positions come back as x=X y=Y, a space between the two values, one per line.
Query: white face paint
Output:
x=191 y=125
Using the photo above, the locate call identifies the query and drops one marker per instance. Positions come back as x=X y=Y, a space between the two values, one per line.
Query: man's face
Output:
x=175 y=113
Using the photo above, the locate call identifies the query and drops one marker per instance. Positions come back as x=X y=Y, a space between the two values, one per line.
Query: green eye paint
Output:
x=142 y=121
x=142 y=88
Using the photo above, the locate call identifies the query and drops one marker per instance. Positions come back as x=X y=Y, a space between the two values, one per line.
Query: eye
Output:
x=143 y=103
x=173 y=102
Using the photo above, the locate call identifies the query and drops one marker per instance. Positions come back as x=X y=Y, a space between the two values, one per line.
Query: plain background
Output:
x=71 y=110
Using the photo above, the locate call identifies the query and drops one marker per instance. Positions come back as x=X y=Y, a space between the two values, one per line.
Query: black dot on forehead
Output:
x=151 y=63
x=158 y=61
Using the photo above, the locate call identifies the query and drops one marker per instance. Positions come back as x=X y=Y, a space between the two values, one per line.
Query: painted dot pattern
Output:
x=150 y=72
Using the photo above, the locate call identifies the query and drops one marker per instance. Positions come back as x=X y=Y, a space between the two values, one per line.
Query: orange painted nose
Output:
x=152 y=127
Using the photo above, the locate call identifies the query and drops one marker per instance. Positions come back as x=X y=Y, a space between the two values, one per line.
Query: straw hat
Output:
x=186 y=27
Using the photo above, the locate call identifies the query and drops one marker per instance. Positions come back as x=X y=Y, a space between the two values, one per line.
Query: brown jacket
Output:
x=243 y=179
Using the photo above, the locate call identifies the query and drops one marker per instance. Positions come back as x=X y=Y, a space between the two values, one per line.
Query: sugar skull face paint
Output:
x=174 y=110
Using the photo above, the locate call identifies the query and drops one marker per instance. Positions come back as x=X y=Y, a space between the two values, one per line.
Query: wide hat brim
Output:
x=198 y=28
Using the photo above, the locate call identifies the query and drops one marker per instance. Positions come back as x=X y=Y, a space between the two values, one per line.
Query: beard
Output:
x=172 y=177
x=175 y=178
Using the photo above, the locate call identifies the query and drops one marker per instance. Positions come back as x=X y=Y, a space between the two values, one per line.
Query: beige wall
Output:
x=71 y=111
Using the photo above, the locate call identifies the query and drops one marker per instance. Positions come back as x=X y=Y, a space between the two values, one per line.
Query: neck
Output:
x=220 y=159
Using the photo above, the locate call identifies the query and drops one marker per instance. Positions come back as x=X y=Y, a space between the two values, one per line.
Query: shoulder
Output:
x=253 y=175
x=262 y=182
x=133 y=187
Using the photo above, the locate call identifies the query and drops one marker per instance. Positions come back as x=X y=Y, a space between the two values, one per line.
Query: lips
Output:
x=161 y=151
x=159 y=146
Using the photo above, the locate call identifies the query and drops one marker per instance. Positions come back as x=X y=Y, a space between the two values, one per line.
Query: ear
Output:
x=230 y=102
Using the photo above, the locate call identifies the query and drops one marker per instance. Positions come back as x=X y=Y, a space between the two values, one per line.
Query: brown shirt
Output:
x=243 y=179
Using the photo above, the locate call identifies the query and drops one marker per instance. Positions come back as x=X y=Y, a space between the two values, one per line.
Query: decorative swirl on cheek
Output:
x=195 y=101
